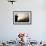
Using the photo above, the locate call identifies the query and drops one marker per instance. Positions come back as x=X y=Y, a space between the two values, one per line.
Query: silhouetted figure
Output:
x=16 y=17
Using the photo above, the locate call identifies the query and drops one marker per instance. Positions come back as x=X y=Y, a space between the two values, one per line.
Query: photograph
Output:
x=22 y=17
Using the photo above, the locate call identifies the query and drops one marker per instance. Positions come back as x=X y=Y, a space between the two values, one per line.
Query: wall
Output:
x=9 y=31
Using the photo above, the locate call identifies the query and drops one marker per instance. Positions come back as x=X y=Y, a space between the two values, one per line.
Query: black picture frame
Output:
x=26 y=21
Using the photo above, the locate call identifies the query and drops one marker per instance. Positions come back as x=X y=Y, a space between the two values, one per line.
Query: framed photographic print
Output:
x=22 y=17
